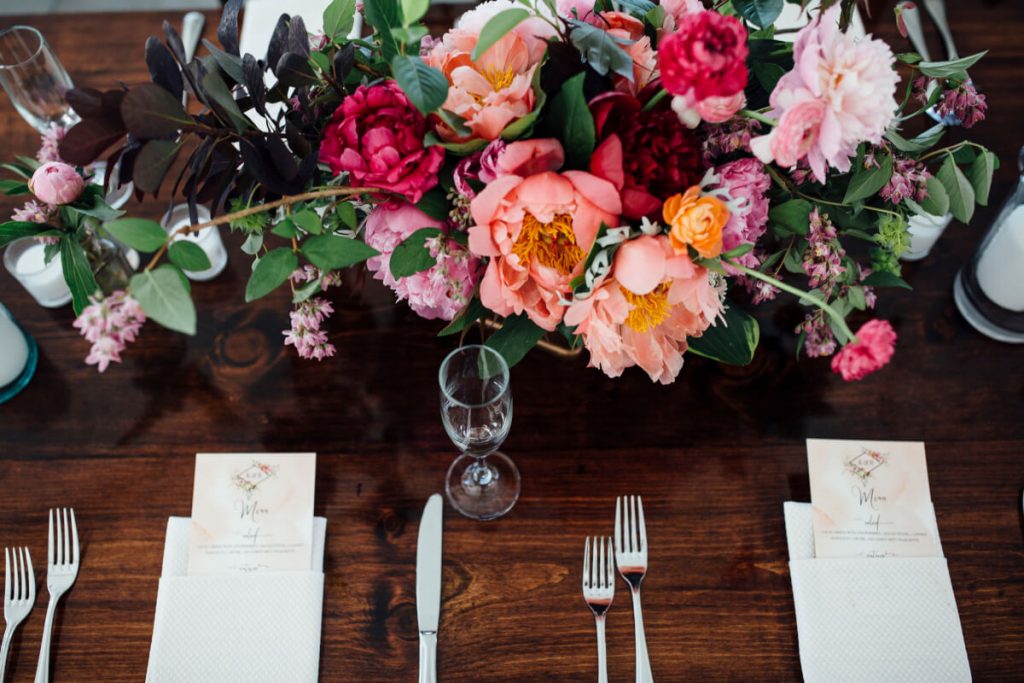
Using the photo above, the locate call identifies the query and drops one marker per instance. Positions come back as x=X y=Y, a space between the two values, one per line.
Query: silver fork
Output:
x=61 y=571
x=631 y=557
x=598 y=591
x=19 y=597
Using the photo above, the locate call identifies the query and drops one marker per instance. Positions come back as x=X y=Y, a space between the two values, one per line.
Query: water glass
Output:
x=476 y=410
x=18 y=356
x=34 y=79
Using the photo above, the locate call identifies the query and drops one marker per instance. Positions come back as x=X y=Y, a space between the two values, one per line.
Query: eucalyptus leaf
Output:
x=271 y=272
x=165 y=298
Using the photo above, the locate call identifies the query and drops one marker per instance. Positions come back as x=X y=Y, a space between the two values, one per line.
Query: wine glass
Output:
x=476 y=409
x=34 y=79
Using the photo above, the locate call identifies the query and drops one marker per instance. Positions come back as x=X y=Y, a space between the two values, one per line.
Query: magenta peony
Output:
x=871 y=351
x=56 y=183
x=376 y=135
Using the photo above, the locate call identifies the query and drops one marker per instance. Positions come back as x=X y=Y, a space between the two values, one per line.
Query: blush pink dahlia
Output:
x=56 y=183
x=376 y=136
x=871 y=351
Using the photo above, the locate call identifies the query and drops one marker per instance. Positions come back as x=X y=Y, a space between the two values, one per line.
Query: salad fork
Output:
x=19 y=597
x=61 y=571
x=631 y=557
x=598 y=592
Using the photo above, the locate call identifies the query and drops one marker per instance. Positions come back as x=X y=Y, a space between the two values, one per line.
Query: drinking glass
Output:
x=476 y=409
x=34 y=79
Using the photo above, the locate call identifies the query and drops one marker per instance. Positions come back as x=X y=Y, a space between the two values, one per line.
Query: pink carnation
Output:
x=56 y=183
x=871 y=351
x=745 y=179
x=706 y=57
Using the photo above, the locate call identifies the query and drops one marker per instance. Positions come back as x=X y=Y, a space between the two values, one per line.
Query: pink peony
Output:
x=579 y=9
x=56 y=183
x=675 y=10
x=705 y=57
x=537 y=231
x=871 y=351
x=645 y=309
x=376 y=135
x=840 y=93
x=440 y=291
x=745 y=179
x=638 y=47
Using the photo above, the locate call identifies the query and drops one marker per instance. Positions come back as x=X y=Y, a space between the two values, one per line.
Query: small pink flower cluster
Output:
x=110 y=324
x=909 y=179
x=823 y=260
x=729 y=137
x=305 y=333
x=964 y=103
x=49 y=148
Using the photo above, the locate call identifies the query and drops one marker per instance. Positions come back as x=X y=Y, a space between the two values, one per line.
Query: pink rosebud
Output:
x=720 y=109
x=871 y=351
x=56 y=183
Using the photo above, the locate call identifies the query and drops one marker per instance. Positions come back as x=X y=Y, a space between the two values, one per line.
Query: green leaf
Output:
x=738 y=251
x=345 y=214
x=12 y=188
x=980 y=175
x=425 y=86
x=285 y=229
x=435 y=204
x=949 y=68
x=961 y=194
x=77 y=273
x=165 y=298
x=138 y=233
x=883 y=279
x=767 y=74
x=413 y=11
x=305 y=291
x=218 y=90
x=760 y=13
x=384 y=15
x=866 y=182
x=338 y=18
x=601 y=50
x=188 y=255
x=271 y=272
x=18 y=170
x=308 y=220
x=93 y=204
x=329 y=252
x=791 y=218
x=15 y=230
x=937 y=201
x=570 y=119
x=412 y=255
x=496 y=28
x=731 y=341
x=149 y=111
x=855 y=295
x=518 y=334
x=466 y=317
x=925 y=140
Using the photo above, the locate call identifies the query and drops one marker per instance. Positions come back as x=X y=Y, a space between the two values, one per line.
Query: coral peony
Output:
x=871 y=351
x=537 y=231
x=56 y=183
x=745 y=180
x=644 y=309
x=663 y=156
x=440 y=291
x=705 y=57
x=840 y=93
x=696 y=221
x=495 y=89
x=637 y=45
x=376 y=135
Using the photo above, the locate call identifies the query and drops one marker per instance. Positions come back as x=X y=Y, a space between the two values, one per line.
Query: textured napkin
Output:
x=244 y=628
x=872 y=620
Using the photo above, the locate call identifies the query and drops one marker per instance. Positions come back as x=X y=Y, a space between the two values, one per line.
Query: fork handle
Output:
x=602 y=652
x=43 y=667
x=428 y=657
x=643 y=662
x=4 y=649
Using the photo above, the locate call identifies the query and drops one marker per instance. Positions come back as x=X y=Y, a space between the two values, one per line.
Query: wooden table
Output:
x=714 y=456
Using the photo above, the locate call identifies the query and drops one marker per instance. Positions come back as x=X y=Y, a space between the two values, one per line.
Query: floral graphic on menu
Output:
x=865 y=462
x=249 y=479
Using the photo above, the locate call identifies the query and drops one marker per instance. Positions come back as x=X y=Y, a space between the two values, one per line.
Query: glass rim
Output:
x=39 y=48
x=477 y=347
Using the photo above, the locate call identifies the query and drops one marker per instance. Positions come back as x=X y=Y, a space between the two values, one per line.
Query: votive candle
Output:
x=13 y=349
x=1000 y=270
x=208 y=240
x=25 y=259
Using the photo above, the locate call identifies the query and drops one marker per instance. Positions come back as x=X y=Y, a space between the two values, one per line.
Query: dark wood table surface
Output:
x=714 y=455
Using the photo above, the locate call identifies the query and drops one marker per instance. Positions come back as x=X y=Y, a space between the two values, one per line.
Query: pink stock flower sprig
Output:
x=110 y=324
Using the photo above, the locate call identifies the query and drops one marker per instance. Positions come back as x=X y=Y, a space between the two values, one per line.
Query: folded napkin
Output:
x=244 y=628
x=872 y=620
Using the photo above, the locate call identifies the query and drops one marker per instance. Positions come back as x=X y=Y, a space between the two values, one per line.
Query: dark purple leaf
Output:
x=298 y=143
x=86 y=102
x=149 y=111
x=252 y=76
x=284 y=160
x=154 y=160
x=344 y=60
x=88 y=139
x=294 y=71
x=112 y=100
x=129 y=154
x=178 y=50
x=259 y=163
x=162 y=68
x=229 y=63
x=298 y=37
x=227 y=29
x=278 y=42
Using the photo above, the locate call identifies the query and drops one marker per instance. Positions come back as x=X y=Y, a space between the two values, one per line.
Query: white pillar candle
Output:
x=208 y=240
x=1001 y=267
x=25 y=259
x=925 y=230
x=13 y=349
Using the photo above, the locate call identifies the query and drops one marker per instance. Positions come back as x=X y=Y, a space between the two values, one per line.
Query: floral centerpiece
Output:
x=629 y=175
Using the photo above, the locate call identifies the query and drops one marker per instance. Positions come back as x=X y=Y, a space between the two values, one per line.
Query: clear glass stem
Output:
x=480 y=474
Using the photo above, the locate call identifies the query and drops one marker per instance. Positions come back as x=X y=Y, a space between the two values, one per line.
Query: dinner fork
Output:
x=598 y=592
x=61 y=571
x=19 y=597
x=631 y=557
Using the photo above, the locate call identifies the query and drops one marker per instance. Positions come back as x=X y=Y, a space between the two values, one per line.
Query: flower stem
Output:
x=653 y=102
x=758 y=116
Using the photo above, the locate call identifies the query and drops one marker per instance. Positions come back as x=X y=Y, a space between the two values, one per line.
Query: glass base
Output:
x=8 y=391
x=484 y=488
x=977 y=319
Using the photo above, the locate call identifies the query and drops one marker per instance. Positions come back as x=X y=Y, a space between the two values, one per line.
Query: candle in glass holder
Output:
x=925 y=230
x=14 y=353
x=208 y=239
x=25 y=259
x=1001 y=266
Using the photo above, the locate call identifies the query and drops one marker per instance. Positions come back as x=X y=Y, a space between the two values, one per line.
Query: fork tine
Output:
x=67 y=540
x=49 y=542
x=610 y=563
x=16 y=588
x=7 y=574
x=618 y=524
x=586 y=564
x=633 y=545
x=58 y=543
x=74 y=537
x=31 y=577
x=643 y=526
x=600 y=563
x=595 y=557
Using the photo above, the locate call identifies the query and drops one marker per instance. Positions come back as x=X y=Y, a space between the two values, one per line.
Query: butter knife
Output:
x=428 y=586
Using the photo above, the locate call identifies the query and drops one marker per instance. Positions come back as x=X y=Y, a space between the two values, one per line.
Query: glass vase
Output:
x=109 y=264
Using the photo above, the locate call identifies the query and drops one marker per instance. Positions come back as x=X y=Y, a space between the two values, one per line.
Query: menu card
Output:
x=870 y=499
x=252 y=512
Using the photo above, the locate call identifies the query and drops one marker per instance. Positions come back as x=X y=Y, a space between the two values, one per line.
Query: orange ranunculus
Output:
x=696 y=221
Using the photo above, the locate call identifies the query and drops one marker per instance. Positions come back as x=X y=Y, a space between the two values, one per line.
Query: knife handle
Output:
x=428 y=657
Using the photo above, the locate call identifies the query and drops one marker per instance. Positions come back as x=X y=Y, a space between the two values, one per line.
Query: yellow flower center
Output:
x=647 y=310
x=551 y=244
x=499 y=78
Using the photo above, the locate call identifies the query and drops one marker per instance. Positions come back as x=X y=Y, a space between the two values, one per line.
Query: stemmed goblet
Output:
x=34 y=79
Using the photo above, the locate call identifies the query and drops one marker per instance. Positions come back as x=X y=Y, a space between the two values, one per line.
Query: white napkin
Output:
x=223 y=629
x=872 y=620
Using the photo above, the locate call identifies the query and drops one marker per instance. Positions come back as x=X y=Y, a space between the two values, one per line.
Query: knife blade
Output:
x=428 y=585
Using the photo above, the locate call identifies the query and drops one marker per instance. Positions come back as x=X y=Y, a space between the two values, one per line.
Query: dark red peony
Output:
x=648 y=155
x=377 y=136
x=705 y=57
